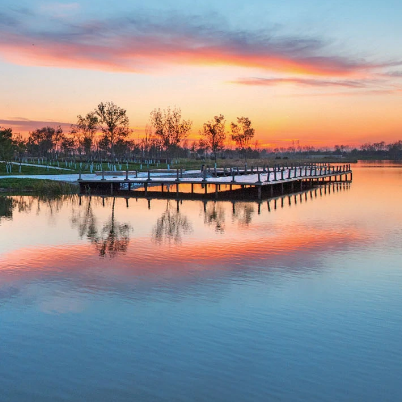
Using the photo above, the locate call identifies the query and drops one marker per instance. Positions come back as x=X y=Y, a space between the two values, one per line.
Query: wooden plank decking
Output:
x=273 y=180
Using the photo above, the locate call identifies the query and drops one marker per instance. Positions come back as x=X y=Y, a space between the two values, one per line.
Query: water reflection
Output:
x=6 y=208
x=214 y=215
x=113 y=238
x=172 y=225
x=163 y=222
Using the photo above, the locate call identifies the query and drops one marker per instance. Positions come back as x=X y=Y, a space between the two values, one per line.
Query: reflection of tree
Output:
x=171 y=226
x=85 y=221
x=214 y=214
x=111 y=240
x=243 y=212
x=8 y=204
x=6 y=208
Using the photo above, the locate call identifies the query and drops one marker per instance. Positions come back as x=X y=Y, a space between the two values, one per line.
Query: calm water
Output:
x=109 y=300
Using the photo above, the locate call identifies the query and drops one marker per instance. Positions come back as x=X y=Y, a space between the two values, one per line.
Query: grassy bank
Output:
x=42 y=187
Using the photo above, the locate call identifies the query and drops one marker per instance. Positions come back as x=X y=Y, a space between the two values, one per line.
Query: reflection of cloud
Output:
x=143 y=42
x=61 y=305
x=8 y=293
x=204 y=256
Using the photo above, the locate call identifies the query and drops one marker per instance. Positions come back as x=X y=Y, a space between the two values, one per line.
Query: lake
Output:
x=114 y=299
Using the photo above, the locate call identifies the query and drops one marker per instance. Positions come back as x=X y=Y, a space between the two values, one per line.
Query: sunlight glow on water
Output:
x=186 y=301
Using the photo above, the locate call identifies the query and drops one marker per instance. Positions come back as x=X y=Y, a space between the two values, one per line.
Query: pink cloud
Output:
x=143 y=44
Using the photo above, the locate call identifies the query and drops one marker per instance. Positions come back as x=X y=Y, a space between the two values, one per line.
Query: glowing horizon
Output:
x=316 y=84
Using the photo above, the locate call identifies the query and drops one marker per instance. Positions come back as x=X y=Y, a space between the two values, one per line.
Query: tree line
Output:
x=105 y=133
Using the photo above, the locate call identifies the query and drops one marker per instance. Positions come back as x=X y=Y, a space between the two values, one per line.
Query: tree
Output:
x=113 y=122
x=169 y=127
x=214 y=134
x=85 y=131
x=68 y=145
x=242 y=133
x=6 y=143
x=43 y=140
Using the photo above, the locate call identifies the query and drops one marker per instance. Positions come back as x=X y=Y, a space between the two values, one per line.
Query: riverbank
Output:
x=37 y=186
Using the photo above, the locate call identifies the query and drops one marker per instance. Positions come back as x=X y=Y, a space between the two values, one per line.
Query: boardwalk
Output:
x=273 y=180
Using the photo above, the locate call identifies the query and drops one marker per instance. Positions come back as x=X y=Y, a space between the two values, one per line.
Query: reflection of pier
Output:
x=228 y=184
x=272 y=203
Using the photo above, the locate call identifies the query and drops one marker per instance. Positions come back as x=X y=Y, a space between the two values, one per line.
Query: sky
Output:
x=308 y=72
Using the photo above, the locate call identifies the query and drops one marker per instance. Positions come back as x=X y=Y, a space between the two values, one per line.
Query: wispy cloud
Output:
x=60 y=10
x=395 y=74
x=143 y=43
x=309 y=82
x=22 y=124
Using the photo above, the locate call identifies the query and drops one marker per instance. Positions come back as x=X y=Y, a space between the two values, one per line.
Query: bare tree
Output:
x=242 y=133
x=113 y=122
x=214 y=134
x=169 y=127
x=85 y=130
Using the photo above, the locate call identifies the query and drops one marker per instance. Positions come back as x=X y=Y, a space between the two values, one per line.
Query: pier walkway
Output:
x=213 y=181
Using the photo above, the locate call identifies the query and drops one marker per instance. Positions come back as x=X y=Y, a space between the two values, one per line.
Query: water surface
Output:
x=133 y=300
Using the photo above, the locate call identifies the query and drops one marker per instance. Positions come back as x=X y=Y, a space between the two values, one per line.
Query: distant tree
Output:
x=7 y=144
x=242 y=133
x=43 y=140
x=113 y=122
x=20 y=145
x=84 y=131
x=169 y=127
x=68 y=145
x=214 y=134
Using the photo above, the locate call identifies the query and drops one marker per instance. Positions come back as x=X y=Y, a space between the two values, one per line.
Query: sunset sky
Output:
x=321 y=73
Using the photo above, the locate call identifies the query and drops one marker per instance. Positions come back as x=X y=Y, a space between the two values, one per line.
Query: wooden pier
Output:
x=208 y=183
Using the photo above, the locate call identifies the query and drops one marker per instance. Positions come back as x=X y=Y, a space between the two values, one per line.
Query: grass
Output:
x=37 y=186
